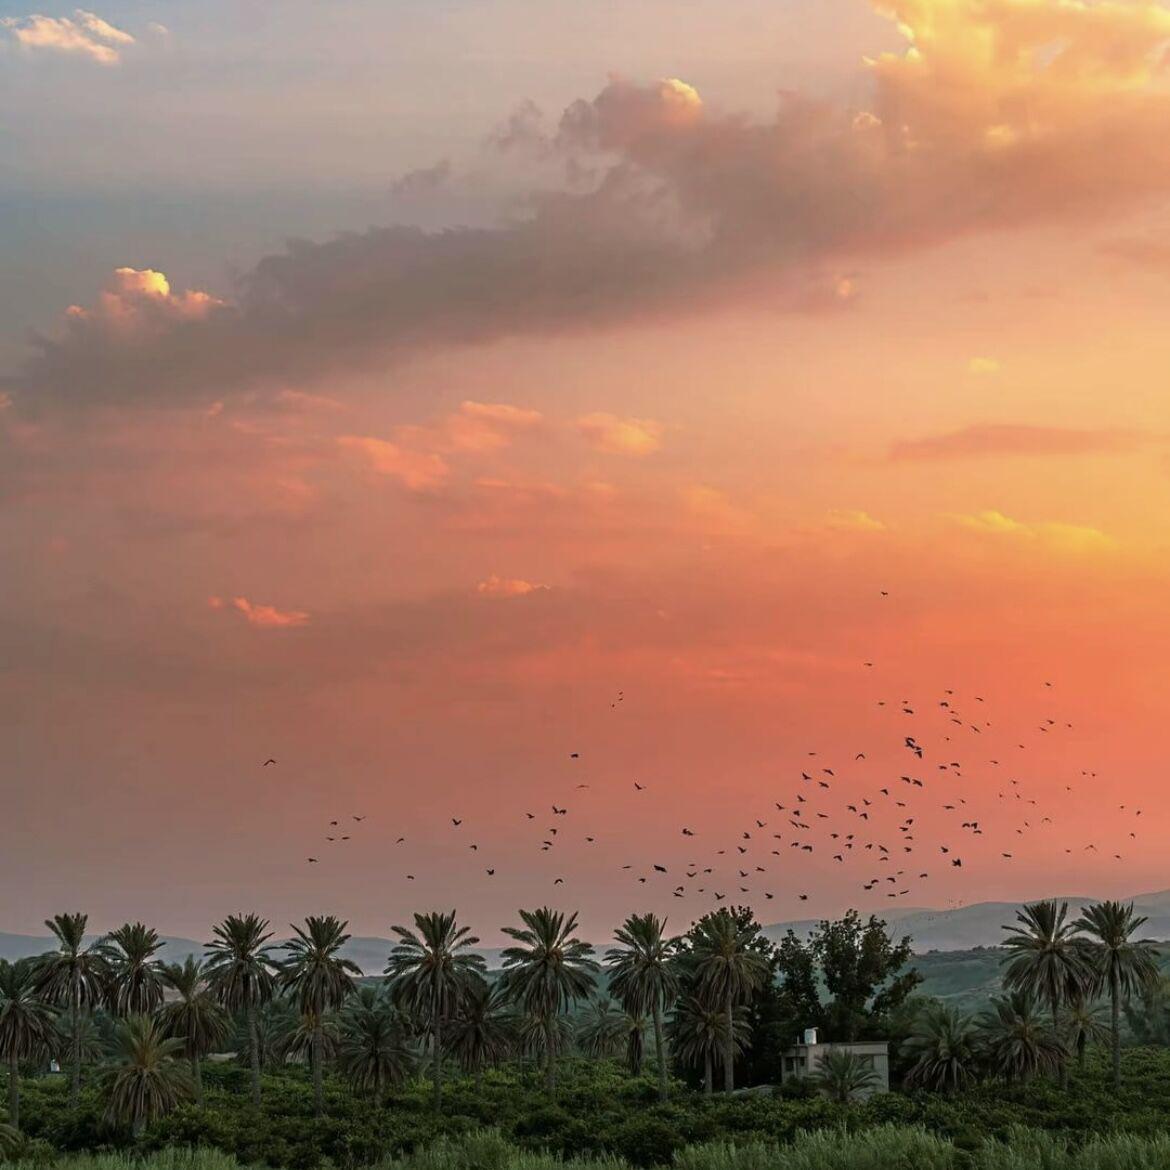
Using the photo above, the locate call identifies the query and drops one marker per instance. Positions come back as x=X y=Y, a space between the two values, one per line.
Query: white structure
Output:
x=803 y=1060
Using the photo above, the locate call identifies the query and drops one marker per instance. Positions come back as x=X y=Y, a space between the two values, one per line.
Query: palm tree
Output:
x=728 y=971
x=698 y=1031
x=1046 y=960
x=542 y=1039
x=275 y=1022
x=73 y=976
x=547 y=972
x=429 y=971
x=483 y=1030
x=1120 y=962
x=634 y=1028
x=241 y=975
x=147 y=1079
x=26 y=1026
x=841 y=1075
x=194 y=1016
x=1082 y=1025
x=942 y=1045
x=1018 y=1041
x=320 y=981
x=645 y=977
x=299 y=1034
x=136 y=983
x=602 y=1033
x=373 y=1050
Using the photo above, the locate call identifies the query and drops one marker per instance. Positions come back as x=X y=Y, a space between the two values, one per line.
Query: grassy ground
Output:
x=883 y=1148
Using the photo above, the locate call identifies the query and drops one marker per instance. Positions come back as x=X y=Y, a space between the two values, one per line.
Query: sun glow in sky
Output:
x=715 y=387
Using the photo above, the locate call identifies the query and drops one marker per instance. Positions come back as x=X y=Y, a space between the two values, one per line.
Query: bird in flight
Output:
x=268 y=761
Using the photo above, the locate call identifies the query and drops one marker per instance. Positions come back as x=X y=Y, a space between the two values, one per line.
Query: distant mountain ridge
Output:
x=962 y=928
x=981 y=924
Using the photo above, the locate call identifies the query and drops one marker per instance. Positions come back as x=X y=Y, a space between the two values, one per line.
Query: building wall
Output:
x=803 y=1061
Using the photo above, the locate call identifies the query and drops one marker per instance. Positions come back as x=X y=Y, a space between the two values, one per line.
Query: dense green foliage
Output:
x=600 y=1109
x=347 y=1072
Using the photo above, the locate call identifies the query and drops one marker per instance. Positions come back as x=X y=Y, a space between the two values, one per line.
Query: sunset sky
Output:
x=422 y=392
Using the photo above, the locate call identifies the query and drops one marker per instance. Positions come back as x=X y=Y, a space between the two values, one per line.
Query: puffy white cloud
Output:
x=83 y=34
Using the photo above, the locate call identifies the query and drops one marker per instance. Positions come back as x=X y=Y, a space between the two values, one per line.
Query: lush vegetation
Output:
x=285 y=1056
x=876 y=1149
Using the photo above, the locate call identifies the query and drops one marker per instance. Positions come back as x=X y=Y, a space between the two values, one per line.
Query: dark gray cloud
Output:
x=687 y=207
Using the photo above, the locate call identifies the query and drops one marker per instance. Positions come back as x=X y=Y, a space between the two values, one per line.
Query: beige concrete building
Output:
x=803 y=1059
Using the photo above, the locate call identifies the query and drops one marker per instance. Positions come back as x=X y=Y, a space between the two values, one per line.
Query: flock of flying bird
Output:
x=836 y=811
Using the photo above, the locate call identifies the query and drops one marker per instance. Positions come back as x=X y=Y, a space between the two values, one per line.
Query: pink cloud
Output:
x=504 y=587
x=419 y=471
x=268 y=616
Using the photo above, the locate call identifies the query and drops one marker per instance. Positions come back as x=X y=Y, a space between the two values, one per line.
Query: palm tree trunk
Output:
x=708 y=1074
x=197 y=1077
x=437 y=1060
x=660 y=1048
x=729 y=1046
x=1062 y=1063
x=550 y=1071
x=14 y=1091
x=75 y=1045
x=1082 y=1042
x=1115 y=1024
x=254 y=1042
x=318 y=1074
x=478 y=1079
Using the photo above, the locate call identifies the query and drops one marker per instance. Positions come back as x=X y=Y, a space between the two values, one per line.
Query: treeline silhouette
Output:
x=719 y=998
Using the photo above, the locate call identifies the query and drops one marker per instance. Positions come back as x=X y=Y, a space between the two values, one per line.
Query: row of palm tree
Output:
x=436 y=990
x=300 y=999
x=1056 y=969
x=1067 y=963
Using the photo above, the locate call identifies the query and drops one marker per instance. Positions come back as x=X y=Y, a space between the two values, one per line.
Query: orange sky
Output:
x=711 y=411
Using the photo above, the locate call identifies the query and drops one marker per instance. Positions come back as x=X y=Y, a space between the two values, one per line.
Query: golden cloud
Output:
x=621 y=436
x=852 y=520
x=136 y=300
x=983 y=366
x=1072 y=538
